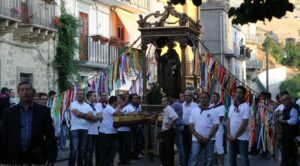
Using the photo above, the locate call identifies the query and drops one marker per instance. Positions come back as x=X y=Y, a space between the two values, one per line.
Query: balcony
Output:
x=98 y=55
x=10 y=15
x=253 y=39
x=254 y=64
x=133 y=6
x=241 y=53
x=37 y=21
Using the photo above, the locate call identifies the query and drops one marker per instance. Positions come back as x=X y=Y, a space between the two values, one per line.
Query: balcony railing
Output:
x=133 y=6
x=10 y=9
x=241 y=52
x=39 y=12
x=253 y=38
x=145 y=4
x=254 y=64
x=99 y=53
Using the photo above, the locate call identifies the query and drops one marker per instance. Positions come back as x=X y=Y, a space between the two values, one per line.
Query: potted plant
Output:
x=98 y=37
x=56 y=22
x=16 y=11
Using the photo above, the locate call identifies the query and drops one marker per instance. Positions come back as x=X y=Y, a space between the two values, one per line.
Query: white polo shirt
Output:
x=79 y=123
x=127 y=109
x=94 y=126
x=106 y=126
x=236 y=118
x=187 y=109
x=204 y=121
x=279 y=108
x=298 y=102
x=221 y=111
x=169 y=115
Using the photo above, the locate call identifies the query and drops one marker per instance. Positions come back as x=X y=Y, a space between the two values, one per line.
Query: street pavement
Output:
x=254 y=161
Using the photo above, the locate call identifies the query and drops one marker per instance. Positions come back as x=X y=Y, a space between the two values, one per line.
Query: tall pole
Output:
x=267 y=65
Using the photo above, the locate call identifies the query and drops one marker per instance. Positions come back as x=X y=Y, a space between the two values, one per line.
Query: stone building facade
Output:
x=27 y=46
x=21 y=61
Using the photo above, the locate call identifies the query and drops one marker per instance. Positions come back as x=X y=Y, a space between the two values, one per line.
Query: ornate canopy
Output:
x=161 y=32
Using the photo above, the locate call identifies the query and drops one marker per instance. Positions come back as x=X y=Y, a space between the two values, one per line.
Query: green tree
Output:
x=291 y=86
x=66 y=49
x=292 y=55
x=274 y=49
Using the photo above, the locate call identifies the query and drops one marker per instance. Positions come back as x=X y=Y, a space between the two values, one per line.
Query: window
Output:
x=28 y=77
x=84 y=32
x=121 y=33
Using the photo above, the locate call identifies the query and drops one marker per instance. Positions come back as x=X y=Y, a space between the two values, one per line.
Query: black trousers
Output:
x=166 y=148
x=187 y=142
x=289 y=151
x=124 y=146
x=108 y=149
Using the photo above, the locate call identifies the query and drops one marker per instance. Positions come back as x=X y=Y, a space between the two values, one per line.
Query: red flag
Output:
x=221 y=75
x=232 y=88
x=93 y=84
x=216 y=72
x=223 y=95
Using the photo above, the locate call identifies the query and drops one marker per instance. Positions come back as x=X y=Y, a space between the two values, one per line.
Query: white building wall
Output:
x=276 y=77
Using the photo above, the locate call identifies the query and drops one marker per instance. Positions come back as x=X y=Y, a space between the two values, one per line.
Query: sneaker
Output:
x=141 y=155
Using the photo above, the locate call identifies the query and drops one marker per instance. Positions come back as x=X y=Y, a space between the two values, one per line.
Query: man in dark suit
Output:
x=28 y=134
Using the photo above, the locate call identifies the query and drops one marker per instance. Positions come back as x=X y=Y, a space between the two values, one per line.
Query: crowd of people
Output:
x=197 y=123
x=194 y=123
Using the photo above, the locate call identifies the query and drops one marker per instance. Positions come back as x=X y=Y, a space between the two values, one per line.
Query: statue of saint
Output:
x=168 y=70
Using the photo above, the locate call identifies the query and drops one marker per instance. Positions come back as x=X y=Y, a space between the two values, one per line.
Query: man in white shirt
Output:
x=99 y=108
x=80 y=113
x=289 y=124
x=124 y=133
x=242 y=47
x=93 y=128
x=108 y=134
x=168 y=133
x=280 y=107
x=187 y=108
x=219 y=144
x=204 y=122
x=103 y=100
x=238 y=128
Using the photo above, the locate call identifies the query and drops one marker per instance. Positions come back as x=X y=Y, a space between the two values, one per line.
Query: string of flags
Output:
x=107 y=80
x=216 y=78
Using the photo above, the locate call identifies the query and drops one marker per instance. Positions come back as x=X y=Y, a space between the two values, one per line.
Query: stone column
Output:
x=144 y=71
x=183 y=65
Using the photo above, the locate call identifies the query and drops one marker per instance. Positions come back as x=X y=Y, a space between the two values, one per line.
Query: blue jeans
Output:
x=197 y=148
x=91 y=144
x=78 y=147
x=241 y=147
x=63 y=136
x=138 y=140
x=179 y=145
